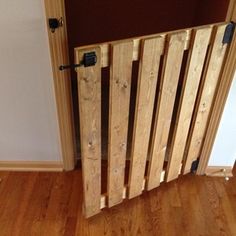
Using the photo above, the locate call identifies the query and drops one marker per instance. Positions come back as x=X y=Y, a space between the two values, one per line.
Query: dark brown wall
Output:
x=91 y=21
x=210 y=11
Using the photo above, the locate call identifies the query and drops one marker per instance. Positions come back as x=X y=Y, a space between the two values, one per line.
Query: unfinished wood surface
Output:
x=205 y=98
x=166 y=98
x=58 y=44
x=151 y=52
x=120 y=85
x=89 y=93
x=219 y=101
x=193 y=72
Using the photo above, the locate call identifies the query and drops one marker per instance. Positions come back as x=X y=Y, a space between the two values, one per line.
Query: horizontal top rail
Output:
x=105 y=47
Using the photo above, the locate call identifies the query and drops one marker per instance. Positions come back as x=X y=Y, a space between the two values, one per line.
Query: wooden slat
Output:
x=206 y=95
x=166 y=98
x=89 y=90
x=151 y=52
x=120 y=85
x=197 y=55
x=105 y=47
x=103 y=202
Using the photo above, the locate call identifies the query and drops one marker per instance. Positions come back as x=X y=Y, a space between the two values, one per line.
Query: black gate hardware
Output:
x=89 y=59
x=229 y=32
x=55 y=23
x=194 y=166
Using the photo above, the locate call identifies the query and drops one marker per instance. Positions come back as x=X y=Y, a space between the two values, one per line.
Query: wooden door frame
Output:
x=227 y=76
x=58 y=44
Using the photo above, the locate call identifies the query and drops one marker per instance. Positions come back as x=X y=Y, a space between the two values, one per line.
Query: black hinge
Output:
x=55 y=23
x=194 y=166
x=229 y=32
x=89 y=59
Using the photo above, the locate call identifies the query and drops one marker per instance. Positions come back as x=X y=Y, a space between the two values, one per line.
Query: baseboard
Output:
x=31 y=166
x=220 y=171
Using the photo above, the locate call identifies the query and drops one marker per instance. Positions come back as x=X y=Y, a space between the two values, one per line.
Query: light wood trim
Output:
x=31 y=166
x=89 y=95
x=219 y=103
x=194 y=67
x=219 y=171
x=166 y=97
x=58 y=44
x=120 y=87
x=230 y=10
x=151 y=52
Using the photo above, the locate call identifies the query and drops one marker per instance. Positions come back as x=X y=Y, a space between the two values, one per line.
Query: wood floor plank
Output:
x=119 y=100
x=205 y=99
x=45 y=204
x=193 y=72
x=166 y=98
x=89 y=94
x=152 y=49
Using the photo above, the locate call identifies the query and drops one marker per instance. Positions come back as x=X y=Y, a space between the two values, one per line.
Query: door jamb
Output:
x=58 y=44
x=220 y=97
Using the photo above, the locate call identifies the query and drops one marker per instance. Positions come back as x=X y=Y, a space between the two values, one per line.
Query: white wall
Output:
x=224 y=149
x=28 y=119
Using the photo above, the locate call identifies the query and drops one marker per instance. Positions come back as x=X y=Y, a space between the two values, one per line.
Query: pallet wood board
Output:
x=89 y=93
x=205 y=98
x=151 y=52
x=120 y=85
x=193 y=72
x=169 y=81
x=161 y=58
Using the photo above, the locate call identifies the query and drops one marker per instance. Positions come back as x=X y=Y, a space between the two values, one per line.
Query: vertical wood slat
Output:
x=89 y=92
x=166 y=99
x=204 y=103
x=120 y=86
x=197 y=55
x=151 y=52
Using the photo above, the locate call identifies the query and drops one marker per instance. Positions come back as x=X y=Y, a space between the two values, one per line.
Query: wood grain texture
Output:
x=166 y=97
x=89 y=91
x=219 y=101
x=152 y=49
x=43 y=204
x=105 y=47
x=206 y=95
x=58 y=44
x=120 y=85
x=193 y=72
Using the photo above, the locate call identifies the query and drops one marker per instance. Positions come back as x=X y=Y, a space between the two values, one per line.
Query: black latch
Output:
x=54 y=23
x=229 y=32
x=194 y=166
x=89 y=59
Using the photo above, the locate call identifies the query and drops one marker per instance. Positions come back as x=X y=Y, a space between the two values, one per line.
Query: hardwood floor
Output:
x=50 y=204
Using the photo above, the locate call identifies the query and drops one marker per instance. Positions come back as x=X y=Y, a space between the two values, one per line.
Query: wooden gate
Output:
x=178 y=73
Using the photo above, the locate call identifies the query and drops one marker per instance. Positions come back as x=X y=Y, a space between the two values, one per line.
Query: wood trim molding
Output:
x=230 y=10
x=220 y=171
x=58 y=44
x=219 y=102
x=31 y=166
